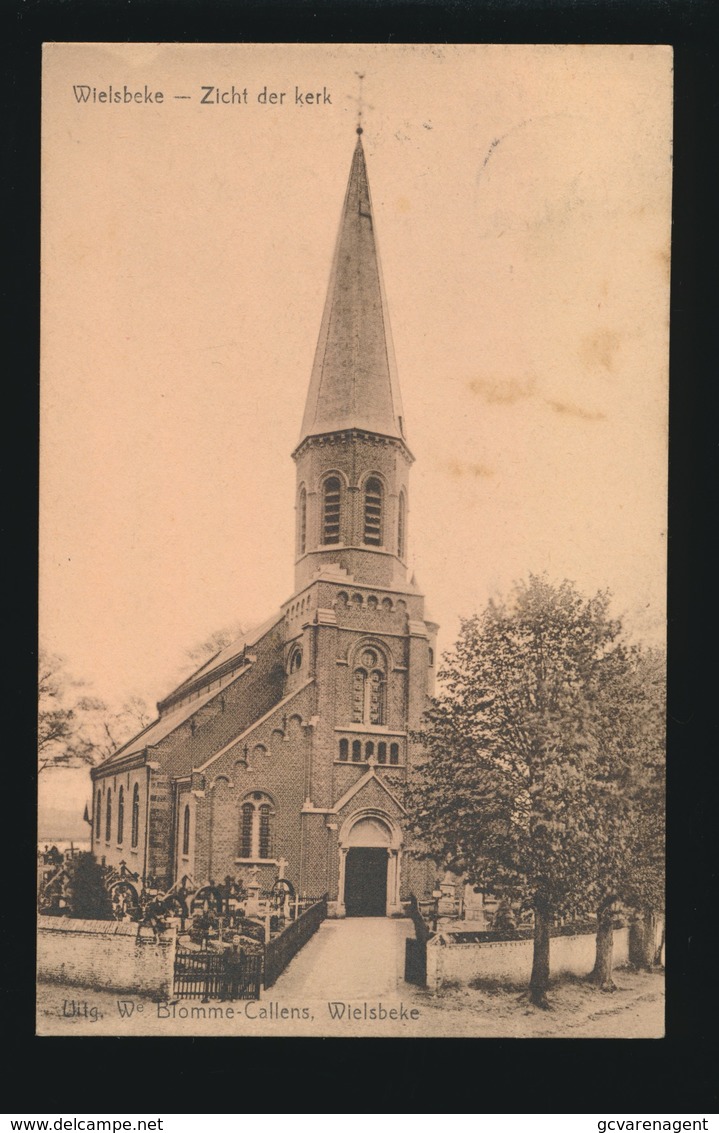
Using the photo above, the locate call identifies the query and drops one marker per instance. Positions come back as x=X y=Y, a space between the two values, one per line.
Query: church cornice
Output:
x=343 y=436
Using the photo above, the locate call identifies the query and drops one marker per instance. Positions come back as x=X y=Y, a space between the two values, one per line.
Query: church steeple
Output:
x=352 y=458
x=354 y=380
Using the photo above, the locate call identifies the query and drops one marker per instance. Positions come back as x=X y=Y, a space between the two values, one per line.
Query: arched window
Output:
x=431 y=657
x=248 y=814
x=302 y=523
x=356 y=751
x=382 y=752
x=108 y=815
x=256 y=827
x=394 y=753
x=331 y=510
x=295 y=660
x=98 y=816
x=369 y=688
x=373 y=512
x=120 y=814
x=402 y=526
x=135 y=815
x=344 y=750
x=186 y=832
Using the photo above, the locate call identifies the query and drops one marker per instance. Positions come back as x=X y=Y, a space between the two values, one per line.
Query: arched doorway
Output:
x=369 y=866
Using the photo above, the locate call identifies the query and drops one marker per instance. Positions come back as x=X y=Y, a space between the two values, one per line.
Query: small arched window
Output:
x=402 y=526
x=108 y=815
x=394 y=753
x=256 y=827
x=356 y=751
x=186 y=832
x=373 y=512
x=431 y=657
x=135 y=815
x=302 y=523
x=98 y=816
x=295 y=660
x=120 y=815
x=344 y=750
x=382 y=752
x=331 y=509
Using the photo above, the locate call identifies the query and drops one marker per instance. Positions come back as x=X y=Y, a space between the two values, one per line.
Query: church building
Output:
x=285 y=753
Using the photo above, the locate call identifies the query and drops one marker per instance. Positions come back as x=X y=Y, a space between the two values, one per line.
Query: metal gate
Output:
x=415 y=961
x=217 y=975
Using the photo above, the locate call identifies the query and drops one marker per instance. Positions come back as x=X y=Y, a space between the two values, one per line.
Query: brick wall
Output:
x=511 y=960
x=106 y=955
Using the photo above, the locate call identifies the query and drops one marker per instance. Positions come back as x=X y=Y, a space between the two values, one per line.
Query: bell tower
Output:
x=352 y=459
x=356 y=634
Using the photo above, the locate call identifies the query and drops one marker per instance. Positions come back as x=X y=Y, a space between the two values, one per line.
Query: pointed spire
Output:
x=354 y=381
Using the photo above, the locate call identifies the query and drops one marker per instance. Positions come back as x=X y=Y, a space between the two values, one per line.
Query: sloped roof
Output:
x=177 y=713
x=226 y=654
x=354 y=380
x=167 y=723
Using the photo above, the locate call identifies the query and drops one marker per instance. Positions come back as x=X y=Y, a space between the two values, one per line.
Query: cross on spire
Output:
x=361 y=104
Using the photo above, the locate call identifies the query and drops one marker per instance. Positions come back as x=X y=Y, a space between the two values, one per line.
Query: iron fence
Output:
x=217 y=975
x=280 y=950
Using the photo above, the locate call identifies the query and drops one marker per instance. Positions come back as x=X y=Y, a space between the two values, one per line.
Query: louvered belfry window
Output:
x=302 y=523
x=373 y=512
x=401 y=526
x=331 y=511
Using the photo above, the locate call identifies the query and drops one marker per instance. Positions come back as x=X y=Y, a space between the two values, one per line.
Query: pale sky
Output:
x=522 y=208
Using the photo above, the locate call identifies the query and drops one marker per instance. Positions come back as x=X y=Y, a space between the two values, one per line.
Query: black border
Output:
x=676 y=1074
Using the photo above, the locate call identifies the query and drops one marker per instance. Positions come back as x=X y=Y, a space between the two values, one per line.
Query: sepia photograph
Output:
x=353 y=536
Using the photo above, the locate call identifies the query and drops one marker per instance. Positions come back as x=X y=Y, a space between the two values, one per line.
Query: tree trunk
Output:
x=601 y=974
x=660 y=946
x=539 y=979
x=641 y=939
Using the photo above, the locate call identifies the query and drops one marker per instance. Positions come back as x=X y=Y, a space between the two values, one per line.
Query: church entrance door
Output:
x=366 y=882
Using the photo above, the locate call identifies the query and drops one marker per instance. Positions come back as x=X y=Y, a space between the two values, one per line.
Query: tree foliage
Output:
x=87 y=894
x=530 y=782
x=205 y=650
x=75 y=728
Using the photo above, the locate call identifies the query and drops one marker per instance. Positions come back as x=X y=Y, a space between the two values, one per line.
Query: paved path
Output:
x=354 y=958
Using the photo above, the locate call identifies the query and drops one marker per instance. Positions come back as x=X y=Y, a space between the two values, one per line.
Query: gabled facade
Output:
x=284 y=754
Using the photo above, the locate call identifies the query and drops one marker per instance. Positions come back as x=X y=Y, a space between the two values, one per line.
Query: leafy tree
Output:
x=60 y=742
x=88 y=896
x=629 y=799
x=75 y=729
x=205 y=650
x=644 y=885
x=510 y=791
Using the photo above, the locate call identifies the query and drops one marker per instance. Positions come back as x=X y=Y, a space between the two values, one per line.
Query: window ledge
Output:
x=366 y=763
x=370 y=729
x=257 y=861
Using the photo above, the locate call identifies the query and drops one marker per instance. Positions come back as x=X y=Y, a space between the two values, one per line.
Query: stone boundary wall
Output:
x=106 y=955
x=511 y=960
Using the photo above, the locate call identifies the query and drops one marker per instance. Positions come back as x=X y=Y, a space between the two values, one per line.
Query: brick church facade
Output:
x=285 y=753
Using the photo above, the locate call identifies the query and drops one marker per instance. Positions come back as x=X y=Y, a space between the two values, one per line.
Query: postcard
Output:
x=353 y=539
